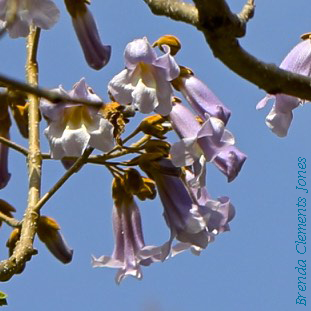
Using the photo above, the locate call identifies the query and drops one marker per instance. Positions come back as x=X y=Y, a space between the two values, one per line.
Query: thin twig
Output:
x=100 y=159
x=14 y=146
x=12 y=222
x=247 y=12
x=40 y=92
x=73 y=169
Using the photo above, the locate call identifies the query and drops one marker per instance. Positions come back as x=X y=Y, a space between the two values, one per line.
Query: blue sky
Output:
x=250 y=268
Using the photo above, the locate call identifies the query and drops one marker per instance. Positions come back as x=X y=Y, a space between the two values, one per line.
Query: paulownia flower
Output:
x=187 y=218
x=73 y=127
x=146 y=80
x=200 y=97
x=128 y=234
x=280 y=117
x=208 y=139
x=95 y=52
x=18 y=15
x=199 y=143
x=218 y=213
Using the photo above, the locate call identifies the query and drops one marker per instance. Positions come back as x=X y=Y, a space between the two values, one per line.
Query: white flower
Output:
x=42 y=13
x=73 y=127
x=146 y=80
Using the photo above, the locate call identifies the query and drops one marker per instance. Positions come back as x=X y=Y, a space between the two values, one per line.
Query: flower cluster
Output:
x=177 y=171
x=80 y=121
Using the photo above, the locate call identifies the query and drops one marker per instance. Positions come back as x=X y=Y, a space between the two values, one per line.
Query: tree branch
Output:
x=40 y=92
x=221 y=29
x=14 y=146
x=175 y=9
x=24 y=247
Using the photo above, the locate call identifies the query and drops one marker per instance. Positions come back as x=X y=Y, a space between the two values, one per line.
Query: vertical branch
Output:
x=24 y=247
x=34 y=155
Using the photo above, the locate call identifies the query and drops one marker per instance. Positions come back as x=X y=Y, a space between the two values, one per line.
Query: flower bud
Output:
x=169 y=40
x=155 y=126
x=48 y=233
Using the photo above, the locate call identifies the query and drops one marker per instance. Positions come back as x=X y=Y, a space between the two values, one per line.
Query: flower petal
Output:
x=139 y=50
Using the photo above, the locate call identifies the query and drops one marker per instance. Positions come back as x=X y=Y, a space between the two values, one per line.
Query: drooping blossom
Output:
x=298 y=60
x=95 y=52
x=74 y=127
x=200 y=97
x=5 y=124
x=18 y=15
x=196 y=140
x=145 y=82
x=220 y=212
x=49 y=234
x=187 y=218
x=128 y=234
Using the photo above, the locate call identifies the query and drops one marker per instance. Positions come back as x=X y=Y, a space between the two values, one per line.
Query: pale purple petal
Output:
x=43 y=13
x=185 y=152
x=230 y=161
x=184 y=122
x=213 y=138
x=202 y=99
x=164 y=93
x=18 y=29
x=95 y=52
x=281 y=115
x=168 y=64
x=53 y=111
x=262 y=103
x=299 y=58
x=139 y=50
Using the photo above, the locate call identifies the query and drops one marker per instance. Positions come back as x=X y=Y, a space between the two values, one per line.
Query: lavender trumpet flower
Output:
x=74 y=127
x=129 y=239
x=146 y=80
x=96 y=54
x=298 y=60
x=200 y=97
x=187 y=219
